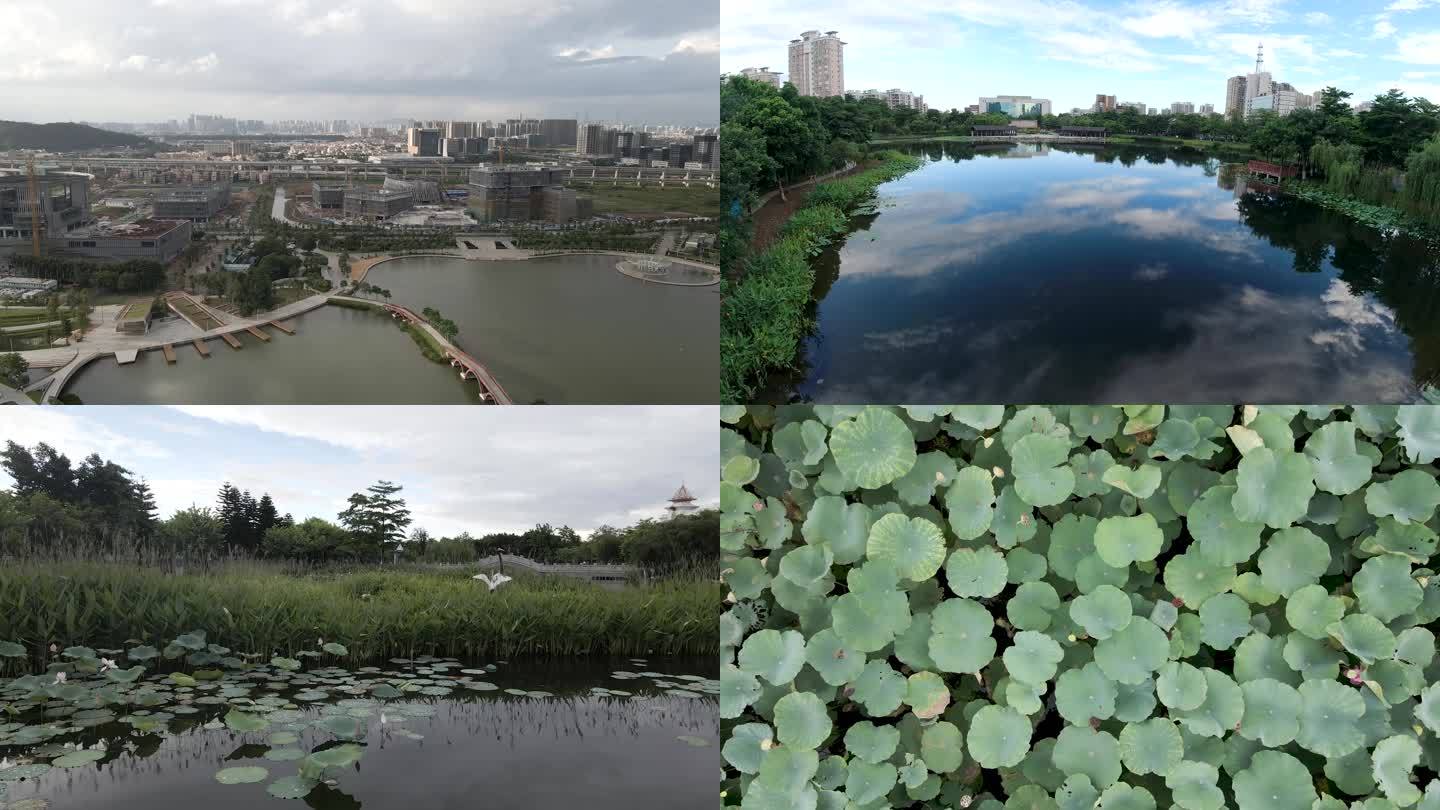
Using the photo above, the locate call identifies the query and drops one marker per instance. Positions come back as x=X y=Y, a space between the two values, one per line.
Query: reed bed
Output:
x=377 y=614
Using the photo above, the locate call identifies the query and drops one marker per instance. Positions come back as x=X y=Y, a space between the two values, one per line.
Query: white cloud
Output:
x=1420 y=49
x=1383 y=28
x=345 y=20
x=1318 y=18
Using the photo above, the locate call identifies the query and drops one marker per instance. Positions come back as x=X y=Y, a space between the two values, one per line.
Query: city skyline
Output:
x=956 y=52
x=463 y=470
x=366 y=60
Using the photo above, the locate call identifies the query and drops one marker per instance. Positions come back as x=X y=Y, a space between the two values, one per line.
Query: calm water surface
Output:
x=336 y=355
x=475 y=750
x=565 y=329
x=571 y=329
x=1113 y=274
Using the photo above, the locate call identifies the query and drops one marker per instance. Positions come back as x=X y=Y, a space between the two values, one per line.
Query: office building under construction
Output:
x=524 y=194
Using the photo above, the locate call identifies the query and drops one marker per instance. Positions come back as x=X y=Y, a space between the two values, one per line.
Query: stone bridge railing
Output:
x=600 y=573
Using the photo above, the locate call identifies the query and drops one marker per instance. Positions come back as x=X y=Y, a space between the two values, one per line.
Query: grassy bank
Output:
x=1384 y=217
x=765 y=313
x=379 y=614
x=700 y=201
x=429 y=347
x=349 y=303
x=1164 y=140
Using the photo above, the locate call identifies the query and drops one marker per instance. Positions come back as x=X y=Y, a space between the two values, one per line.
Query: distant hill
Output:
x=63 y=137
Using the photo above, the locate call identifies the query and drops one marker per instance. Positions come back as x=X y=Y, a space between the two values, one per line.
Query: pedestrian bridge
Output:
x=605 y=575
x=470 y=368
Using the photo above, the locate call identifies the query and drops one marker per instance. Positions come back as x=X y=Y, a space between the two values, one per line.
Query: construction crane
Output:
x=36 y=221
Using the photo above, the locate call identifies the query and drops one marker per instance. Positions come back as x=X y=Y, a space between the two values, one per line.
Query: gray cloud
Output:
x=360 y=59
x=463 y=468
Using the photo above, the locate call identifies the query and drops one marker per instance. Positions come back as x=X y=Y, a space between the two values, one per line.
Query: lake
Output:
x=1026 y=273
x=604 y=734
x=336 y=355
x=562 y=329
x=571 y=329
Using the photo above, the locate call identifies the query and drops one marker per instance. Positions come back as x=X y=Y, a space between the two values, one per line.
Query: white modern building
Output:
x=1182 y=107
x=1235 y=95
x=892 y=98
x=817 y=64
x=1015 y=106
x=764 y=75
x=1207 y=109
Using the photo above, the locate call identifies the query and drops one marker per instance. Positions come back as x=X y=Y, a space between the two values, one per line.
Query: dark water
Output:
x=1113 y=274
x=571 y=329
x=336 y=355
x=479 y=750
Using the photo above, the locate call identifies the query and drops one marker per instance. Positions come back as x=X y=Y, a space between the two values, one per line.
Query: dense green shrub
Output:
x=1080 y=607
x=764 y=314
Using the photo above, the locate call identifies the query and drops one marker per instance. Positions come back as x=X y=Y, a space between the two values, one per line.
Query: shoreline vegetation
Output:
x=1140 y=140
x=765 y=312
x=382 y=613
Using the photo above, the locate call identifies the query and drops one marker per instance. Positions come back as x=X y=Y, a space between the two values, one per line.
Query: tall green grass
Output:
x=267 y=609
x=765 y=316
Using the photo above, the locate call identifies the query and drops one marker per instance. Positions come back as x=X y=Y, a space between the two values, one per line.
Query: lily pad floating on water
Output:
x=291 y=787
x=76 y=759
x=284 y=754
x=32 y=771
x=241 y=775
x=690 y=739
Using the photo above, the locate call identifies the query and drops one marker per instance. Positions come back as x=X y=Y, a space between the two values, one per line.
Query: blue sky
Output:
x=463 y=468
x=954 y=51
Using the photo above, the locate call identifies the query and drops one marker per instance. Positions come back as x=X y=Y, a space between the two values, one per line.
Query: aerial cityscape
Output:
x=1225 y=126
x=139 y=239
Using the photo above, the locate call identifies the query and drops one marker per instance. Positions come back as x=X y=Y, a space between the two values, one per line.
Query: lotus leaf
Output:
x=239 y=776
x=1393 y=759
x=1085 y=693
x=1121 y=541
x=1042 y=477
x=961 y=639
x=801 y=720
x=1086 y=751
x=914 y=545
x=976 y=572
x=1273 y=487
x=1102 y=612
x=999 y=737
x=873 y=449
x=1274 y=781
x=1385 y=587
x=1131 y=654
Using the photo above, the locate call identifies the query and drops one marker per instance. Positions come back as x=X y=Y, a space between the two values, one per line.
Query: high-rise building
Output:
x=1235 y=95
x=1207 y=109
x=763 y=75
x=1104 y=103
x=817 y=64
x=707 y=150
x=558 y=131
x=460 y=129
x=423 y=141
x=1182 y=106
x=596 y=140
x=892 y=98
x=1015 y=106
x=1137 y=106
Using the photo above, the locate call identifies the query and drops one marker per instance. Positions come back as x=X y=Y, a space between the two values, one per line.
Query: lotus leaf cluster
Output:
x=1072 y=608
x=309 y=723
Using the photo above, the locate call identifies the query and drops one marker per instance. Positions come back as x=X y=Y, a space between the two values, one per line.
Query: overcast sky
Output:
x=1153 y=51
x=463 y=468
x=149 y=60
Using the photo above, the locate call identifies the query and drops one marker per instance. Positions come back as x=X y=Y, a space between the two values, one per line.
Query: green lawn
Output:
x=696 y=200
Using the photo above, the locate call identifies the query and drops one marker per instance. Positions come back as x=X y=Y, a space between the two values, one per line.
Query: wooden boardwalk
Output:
x=169 y=353
x=257 y=333
x=286 y=328
x=201 y=347
x=231 y=339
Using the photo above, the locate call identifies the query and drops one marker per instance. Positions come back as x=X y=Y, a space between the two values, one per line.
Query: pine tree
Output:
x=231 y=511
x=266 y=518
x=249 y=520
